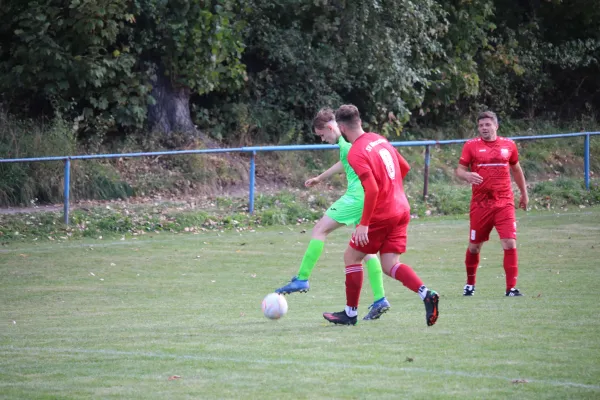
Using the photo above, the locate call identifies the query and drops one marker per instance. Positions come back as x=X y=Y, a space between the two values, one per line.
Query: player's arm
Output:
x=361 y=166
x=361 y=233
x=404 y=165
x=463 y=173
x=334 y=169
x=517 y=173
x=371 y=193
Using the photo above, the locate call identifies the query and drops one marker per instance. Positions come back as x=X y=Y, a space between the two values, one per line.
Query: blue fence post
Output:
x=67 y=189
x=252 y=173
x=426 y=172
x=586 y=161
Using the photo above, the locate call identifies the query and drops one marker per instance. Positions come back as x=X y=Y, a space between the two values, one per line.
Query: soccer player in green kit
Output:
x=347 y=210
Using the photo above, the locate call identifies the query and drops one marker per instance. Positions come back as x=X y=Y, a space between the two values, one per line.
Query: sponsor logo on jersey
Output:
x=375 y=143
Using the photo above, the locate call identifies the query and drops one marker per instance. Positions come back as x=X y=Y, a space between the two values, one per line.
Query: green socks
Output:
x=313 y=253
x=311 y=256
x=375 y=278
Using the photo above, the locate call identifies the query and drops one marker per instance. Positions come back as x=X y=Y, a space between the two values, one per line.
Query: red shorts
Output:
x=485 y=218
x=388 y=236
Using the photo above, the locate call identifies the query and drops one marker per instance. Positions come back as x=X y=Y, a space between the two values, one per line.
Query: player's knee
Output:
x=319 y=231
x=475 y=248
x=509 y=244
x=352 y=256
x=368 y=257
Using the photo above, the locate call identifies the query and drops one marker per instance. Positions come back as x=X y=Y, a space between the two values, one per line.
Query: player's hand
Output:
x=474 y=178
x=361 y=235
x=524 y=201
x=312 y=182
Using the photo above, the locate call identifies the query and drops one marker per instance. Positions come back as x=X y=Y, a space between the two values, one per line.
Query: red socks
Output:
x=511 y=268
x=471 y=262
x=407 y=276
x=354 y=281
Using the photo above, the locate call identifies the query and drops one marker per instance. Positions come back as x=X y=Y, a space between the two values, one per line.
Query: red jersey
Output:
x=491 y=160
x=372 y=155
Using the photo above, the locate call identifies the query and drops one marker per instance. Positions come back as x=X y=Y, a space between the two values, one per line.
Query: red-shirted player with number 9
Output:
x=486 y=163
x=385 y=217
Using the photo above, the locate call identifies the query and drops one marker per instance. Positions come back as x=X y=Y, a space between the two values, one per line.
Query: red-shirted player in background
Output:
x=384 y=220
x=486 y=163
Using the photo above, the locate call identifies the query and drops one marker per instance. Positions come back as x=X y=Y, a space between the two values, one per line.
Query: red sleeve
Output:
x=465 y=157
x=371 y=193
x=514 y=156
x=404 y=166
x=358 y=161
x=360 y=164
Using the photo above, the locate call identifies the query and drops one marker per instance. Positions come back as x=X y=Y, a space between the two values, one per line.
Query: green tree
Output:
x=117 y=60
x=61 y=58
x=455 y=83
x=302 y=55
x=543 y=58
x=188 y=46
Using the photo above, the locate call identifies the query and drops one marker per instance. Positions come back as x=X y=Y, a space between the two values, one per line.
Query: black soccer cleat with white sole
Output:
x=469 y=290
x=432 y=312
x=340 y=318
x=514 y=292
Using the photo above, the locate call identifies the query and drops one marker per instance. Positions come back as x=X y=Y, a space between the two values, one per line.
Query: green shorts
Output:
x=346 y=210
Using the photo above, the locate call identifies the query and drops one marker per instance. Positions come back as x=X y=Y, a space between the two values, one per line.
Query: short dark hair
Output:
x=324 y=116
x=488 y=114
x=347 y=114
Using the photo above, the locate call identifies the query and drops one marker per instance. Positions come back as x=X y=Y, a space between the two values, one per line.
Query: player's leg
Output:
x=393 y=246
x=353 y=257
x=299 y=283
x=350 y=210
x=320 y=231
x=354 y=280
x=471 y=264
x=481 y=223
x=506 y=225
x=380 y=303
x=404 y=273
x=342 y=212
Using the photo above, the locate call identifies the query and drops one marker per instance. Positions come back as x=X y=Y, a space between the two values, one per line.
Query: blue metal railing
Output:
x=256 y=149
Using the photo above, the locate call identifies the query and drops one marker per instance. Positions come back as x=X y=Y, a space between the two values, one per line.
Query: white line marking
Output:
x=376 y=367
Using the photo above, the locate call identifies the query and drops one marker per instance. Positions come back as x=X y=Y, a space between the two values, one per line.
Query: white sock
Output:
x=351 y=311
x=423 y=292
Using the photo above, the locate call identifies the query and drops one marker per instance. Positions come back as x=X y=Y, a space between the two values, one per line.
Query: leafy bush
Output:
x=563 y=192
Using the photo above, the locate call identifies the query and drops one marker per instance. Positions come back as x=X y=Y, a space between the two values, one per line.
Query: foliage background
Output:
x=81 y=76
x=257 y=70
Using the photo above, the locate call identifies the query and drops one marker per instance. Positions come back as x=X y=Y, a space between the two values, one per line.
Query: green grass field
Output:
x=116 y=319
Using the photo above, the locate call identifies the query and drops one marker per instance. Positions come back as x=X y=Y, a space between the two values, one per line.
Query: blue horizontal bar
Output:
x=273 y=148
x=15 y=160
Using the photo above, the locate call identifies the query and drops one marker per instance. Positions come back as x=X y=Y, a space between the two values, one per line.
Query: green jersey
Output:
x=355 y=188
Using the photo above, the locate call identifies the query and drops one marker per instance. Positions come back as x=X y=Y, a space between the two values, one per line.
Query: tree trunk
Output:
x=171 y=113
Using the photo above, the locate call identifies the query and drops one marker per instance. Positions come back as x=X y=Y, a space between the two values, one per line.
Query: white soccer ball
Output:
x=274 y=306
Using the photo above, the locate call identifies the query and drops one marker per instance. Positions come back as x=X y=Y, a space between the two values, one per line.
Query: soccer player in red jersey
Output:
x=486 y=163
x=385 y=217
